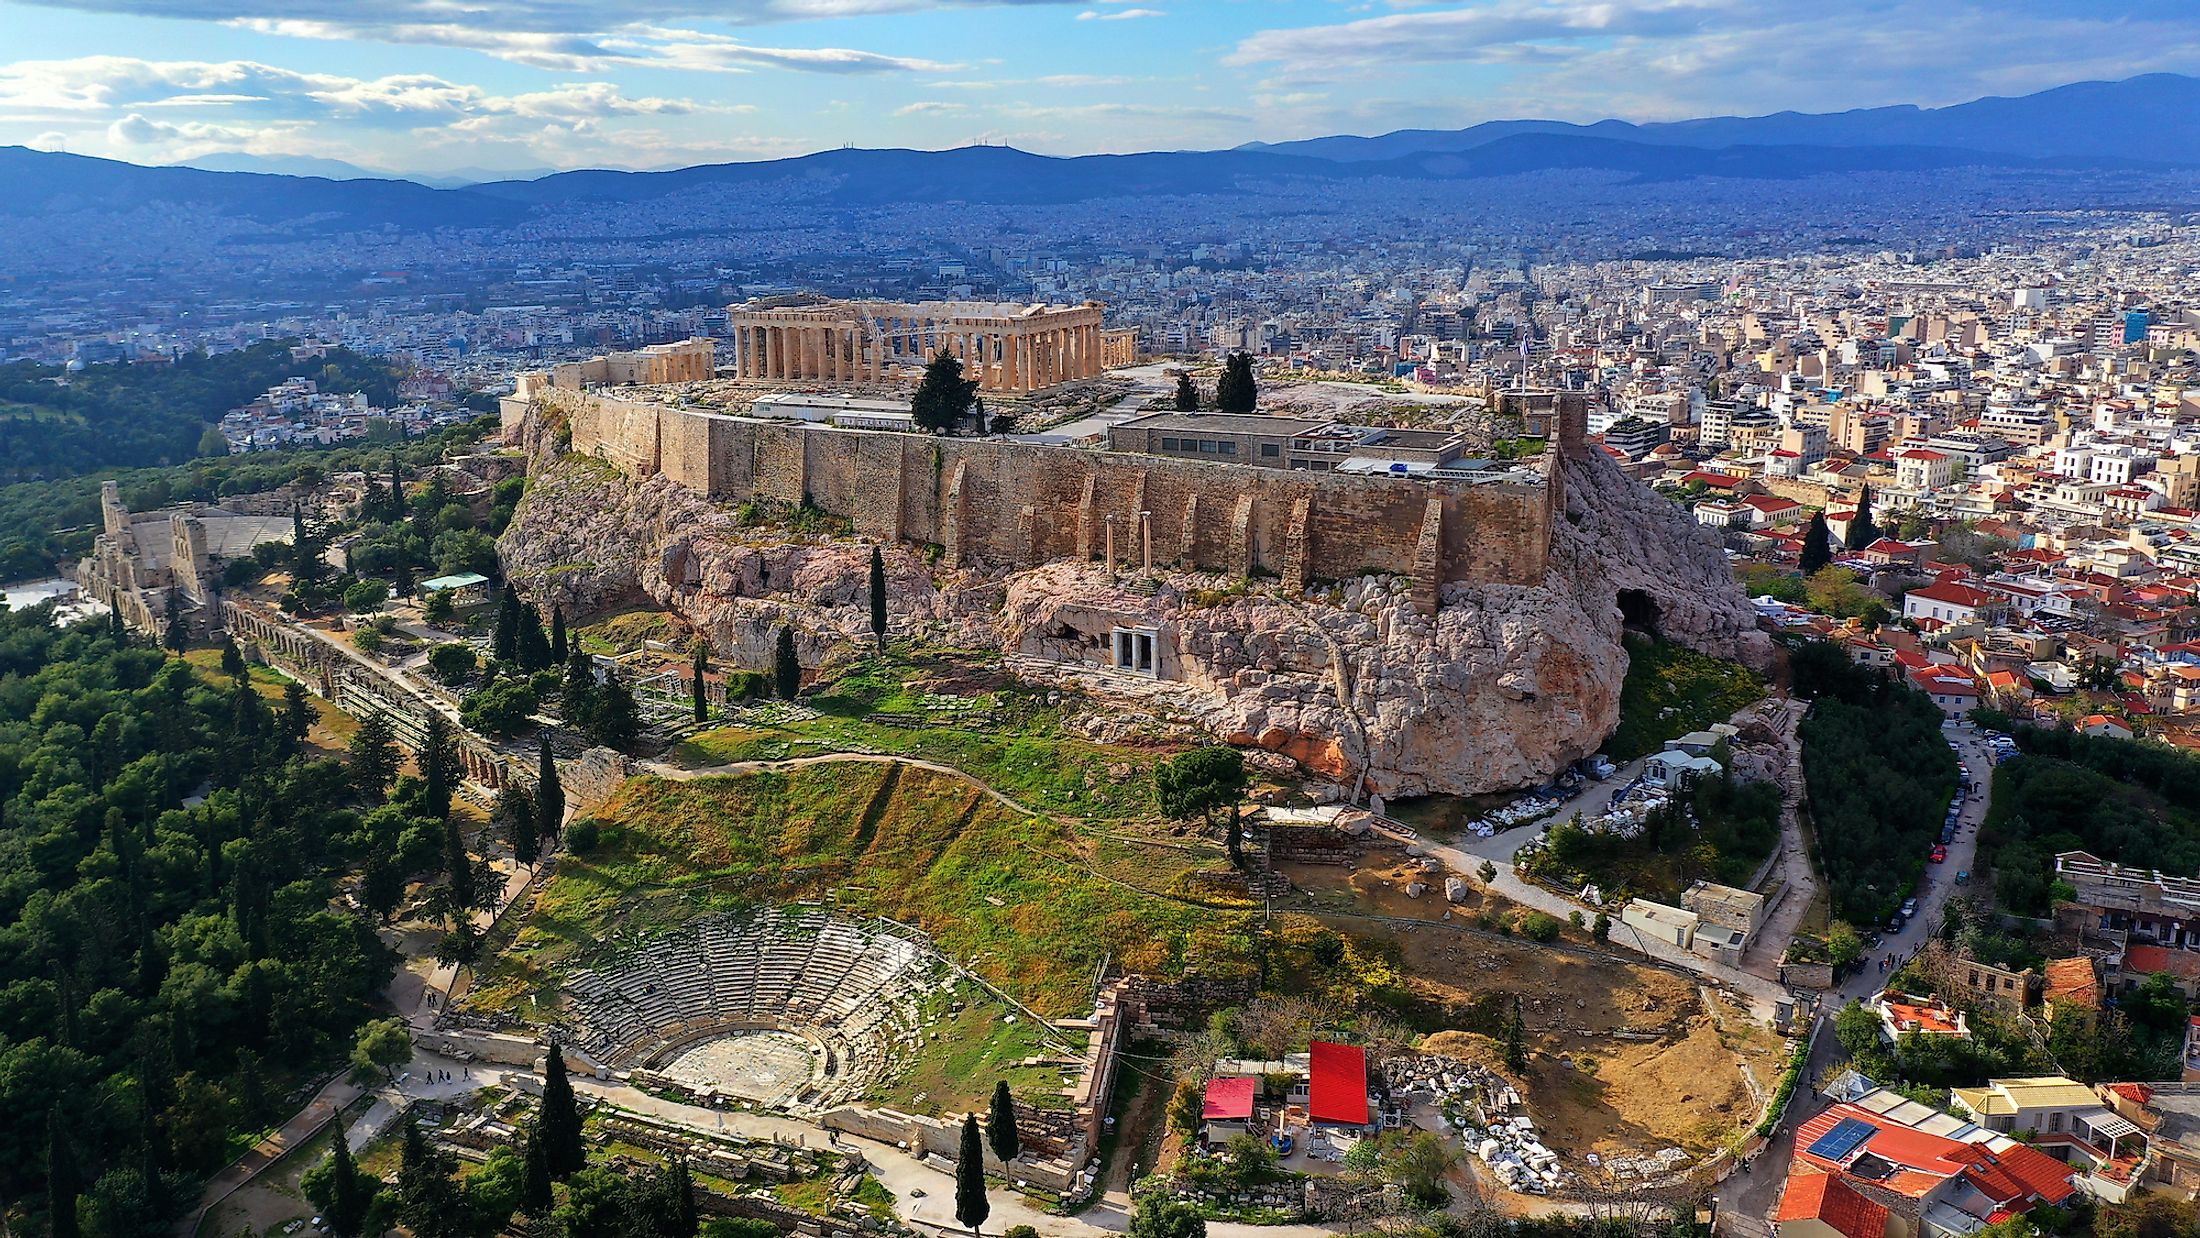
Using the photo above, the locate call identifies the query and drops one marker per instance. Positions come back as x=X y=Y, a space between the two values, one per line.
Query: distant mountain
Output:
x=2146 y=121
x=466 y=178
x=2153 y=119
x=284 y=165
x=41 y=182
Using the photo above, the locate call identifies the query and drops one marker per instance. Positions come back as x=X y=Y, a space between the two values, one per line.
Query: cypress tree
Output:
x=1862 y=532
x=681 y=1220
x=558 y=650
x=878 y=597
x=534 y=1192
x=1000 y=1123
x=397 y=489
x=1516 y=1039
x=297 y=714
x=614 y=720
x=504 y=641
x=177 y=636
x=232 y=659
x=439 y=769
x=702 y=664
x=516 y=810
x=1817 y=545
x=61 y=1184
x=1237 y=392
x=560 y=1126
x=348 y=1197
x=549 y=794
x=971 y=1205
x=459 y=867
x=115 y=629
x=577 y=696
x=533 y=652
x=786 y=669
x=373 y=755
x=1187 y=396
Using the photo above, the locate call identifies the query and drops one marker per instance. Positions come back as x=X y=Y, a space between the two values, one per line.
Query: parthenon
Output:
x=1005 y=346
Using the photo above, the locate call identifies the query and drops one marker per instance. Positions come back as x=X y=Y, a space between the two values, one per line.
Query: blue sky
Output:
x=435 y=85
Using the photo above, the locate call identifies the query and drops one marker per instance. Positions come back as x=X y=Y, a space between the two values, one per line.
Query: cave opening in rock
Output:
x=1638 y=610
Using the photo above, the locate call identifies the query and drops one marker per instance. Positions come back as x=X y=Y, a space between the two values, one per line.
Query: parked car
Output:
x=1963 y=878
x=1940 y=855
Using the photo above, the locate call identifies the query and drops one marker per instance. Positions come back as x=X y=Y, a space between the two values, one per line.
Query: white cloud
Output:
x=1119 y=14
x=931 y=107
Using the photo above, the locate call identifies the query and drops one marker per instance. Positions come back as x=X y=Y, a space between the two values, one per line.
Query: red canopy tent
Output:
x=1337 y=1083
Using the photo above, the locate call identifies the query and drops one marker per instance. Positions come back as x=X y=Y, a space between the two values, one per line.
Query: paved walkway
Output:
x=302 y=1126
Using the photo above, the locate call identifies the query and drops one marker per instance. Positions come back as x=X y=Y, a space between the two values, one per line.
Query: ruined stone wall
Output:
x=1015 y=505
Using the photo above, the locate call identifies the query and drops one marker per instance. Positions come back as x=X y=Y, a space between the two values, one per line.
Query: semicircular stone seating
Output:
x=855 y=992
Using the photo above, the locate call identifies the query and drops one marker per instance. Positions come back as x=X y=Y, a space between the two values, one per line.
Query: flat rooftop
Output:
x=1226 y=423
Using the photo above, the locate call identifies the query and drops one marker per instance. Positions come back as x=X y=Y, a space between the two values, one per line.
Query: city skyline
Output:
x=525 y=85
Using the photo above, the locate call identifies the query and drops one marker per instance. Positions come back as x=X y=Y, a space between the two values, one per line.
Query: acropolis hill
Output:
x=1446 y=635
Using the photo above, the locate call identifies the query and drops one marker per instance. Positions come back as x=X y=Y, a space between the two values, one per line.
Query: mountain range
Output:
x=2149 y=121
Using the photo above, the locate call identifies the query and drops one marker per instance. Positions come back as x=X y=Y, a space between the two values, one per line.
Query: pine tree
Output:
x=558 y=650
x=878 y=597
x=1000 y=1124
x=971 y=1205
x=439 y=768
x=702 y=666
x=1862 y=532
x=1237 y=392
x=458 y=867
x=177 y=635
x=549 y=794
x=429 y=1200
x=61 y=1183
x=348 y=1197
x=577 y=696
x=1187 y=395
x=1817 y=545
x=943 y=399
x=372 y=756
x=401 y=580
x=504 y=641
x=559 y=1128
x=786 y=669
x=680 y=1221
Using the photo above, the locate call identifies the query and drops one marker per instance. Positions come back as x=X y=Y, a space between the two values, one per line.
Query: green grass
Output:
x=972 y=718
x=964 y=1052
x=1671 y=691
x=1006 y=893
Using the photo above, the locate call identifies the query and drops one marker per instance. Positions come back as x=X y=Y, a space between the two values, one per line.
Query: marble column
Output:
x=771 y=350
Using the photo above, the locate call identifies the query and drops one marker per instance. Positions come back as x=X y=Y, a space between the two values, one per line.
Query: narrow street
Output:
x=1751 y=1197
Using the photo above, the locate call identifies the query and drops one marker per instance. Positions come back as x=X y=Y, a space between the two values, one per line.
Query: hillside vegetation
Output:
x=1010 y=895
x=54 y=423
x=2130 y=801
x=1671 y=690
x=1880 y=774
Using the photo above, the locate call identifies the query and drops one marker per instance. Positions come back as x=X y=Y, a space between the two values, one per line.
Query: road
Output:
x=1753 y=1196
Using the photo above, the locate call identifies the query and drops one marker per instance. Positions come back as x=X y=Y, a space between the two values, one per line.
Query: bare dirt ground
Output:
x=1625 y=1059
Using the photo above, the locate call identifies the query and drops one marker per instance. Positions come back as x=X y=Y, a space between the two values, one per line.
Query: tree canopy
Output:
x=943 y=399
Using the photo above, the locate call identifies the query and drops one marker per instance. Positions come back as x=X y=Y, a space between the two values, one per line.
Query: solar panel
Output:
x=1847 y=1136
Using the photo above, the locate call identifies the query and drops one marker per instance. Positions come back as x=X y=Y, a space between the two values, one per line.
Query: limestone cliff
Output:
x=1504 y=684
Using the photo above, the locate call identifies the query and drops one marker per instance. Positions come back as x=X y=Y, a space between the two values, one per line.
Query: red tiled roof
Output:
x=1337 y=1083
x=1229 y=1099
x=1815 y=1195
x=1952 y=593
x=2073 y=980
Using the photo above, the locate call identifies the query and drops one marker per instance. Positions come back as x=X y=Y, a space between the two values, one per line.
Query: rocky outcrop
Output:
x=1500 y=687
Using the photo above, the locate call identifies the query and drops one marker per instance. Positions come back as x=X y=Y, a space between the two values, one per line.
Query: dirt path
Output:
x=678 y=773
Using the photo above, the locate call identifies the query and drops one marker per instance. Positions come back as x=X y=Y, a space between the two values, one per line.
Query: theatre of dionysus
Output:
x=1005 y=346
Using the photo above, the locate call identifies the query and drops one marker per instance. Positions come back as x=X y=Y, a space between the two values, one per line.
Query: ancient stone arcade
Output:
x=341 y=676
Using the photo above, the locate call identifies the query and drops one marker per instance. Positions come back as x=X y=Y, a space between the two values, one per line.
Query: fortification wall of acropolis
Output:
x=1013 y=504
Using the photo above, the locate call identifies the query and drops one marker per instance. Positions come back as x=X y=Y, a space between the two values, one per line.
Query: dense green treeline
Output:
x=54 y=423
x=1880 y=774
x=45 y=522
x=172 y=962
x=2131 y=801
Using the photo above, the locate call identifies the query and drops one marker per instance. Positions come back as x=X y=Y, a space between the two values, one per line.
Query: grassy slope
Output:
x=1009 y=894
x=1671 y=691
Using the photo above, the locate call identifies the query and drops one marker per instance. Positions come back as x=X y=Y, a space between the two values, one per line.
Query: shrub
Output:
x=501 y=707
x=581 y=836
x=453 y=663
x=1536 y=926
